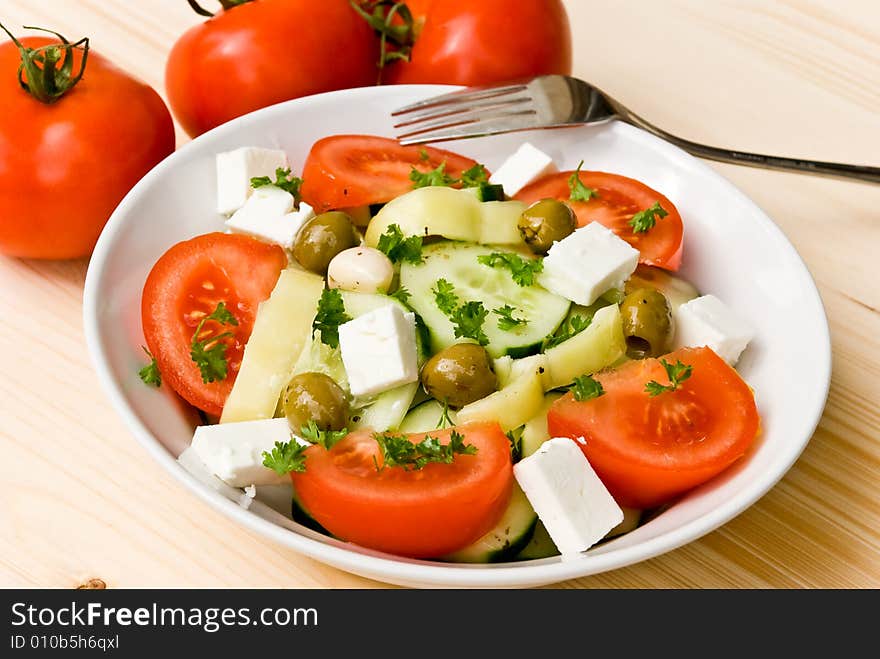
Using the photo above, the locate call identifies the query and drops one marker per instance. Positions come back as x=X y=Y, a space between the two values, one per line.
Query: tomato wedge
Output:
x=619 y=199
x=357 y=170
x=421 y=514
x=648 y=450
x=187 y=283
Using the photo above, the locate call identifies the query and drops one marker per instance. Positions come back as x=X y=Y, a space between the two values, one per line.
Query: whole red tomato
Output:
x=465 y=42
x=67 y=160
x=262 y=52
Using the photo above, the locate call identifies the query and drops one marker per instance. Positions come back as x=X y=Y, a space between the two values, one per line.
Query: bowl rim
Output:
x=405 y=571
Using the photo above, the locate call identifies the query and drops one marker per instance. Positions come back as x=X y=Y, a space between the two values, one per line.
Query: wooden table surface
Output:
x=80 y=499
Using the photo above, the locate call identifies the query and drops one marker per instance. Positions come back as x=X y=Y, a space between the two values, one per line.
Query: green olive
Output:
x=459 y=375
x=647 y=323
x=546 y=222
x=315 y=397
x=322 y=238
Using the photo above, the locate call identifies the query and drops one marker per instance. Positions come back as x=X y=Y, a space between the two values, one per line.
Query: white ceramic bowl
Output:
x=732 y=249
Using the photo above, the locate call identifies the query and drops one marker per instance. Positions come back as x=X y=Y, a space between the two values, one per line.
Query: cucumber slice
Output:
x=535 y=431
x=632 y=517
x=387 y=410
x=511 y=534
x=540 y=546
x=426 y=417
x=490 y=192
x=494 y=287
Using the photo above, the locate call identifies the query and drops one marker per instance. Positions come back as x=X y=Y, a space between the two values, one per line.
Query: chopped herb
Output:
x=399 y=451
x=330 y=315
x=586 y=388
x=283 y=180
x=432 y=178
x=677 y=373
x=473 y=177
x=579 y=191
x=521 y=269
x=325 y=438
x=515 y=439
x=445 y=419
x=401 y=295
x=574 y=325
x=209 y=353
x=424 y=156
x=286 y=457
x=445 y=297
x=506 y=320
x=468 y=318
x=644 y=220
x=398 y=248
x=150 y=373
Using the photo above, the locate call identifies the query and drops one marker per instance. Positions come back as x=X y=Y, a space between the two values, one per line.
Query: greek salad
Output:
x=402 y=350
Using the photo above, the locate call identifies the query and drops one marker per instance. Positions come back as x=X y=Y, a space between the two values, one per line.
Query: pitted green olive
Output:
x=647 y=323
x=545 y=222
x=315 y=397
x=322 y=238
x=459 y=375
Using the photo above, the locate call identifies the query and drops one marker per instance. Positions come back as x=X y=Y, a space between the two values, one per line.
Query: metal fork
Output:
x=557 y=101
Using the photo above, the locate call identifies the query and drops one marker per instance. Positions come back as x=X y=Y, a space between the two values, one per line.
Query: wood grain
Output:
x=80 y=498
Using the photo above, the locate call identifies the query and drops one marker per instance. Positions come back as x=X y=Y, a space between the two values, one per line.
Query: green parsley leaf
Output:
x=445 y=418
x=398 y=248
x=283 y=180
x=515 y=439
x=579 y=191
x=330 y=315
x=521 y=269
x=150 y=373
x=586 y=388
x=644 y=220
x=424 y=156
x=473 y=177
x=209 y=353
x=286 y=457
x=399 y=451
x=574 y=325
x=506 y=320
x=325 y=438
x=402 y=295
x=677 y=373
x=434 y=177
x=468 y=320
x=445 y=297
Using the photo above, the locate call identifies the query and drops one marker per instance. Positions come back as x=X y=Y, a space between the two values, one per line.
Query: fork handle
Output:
x=816 y=167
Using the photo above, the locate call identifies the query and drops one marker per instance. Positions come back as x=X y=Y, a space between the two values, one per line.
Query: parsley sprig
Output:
x=283 y=179
x=574 y=325
x=150 y=373
x=209 y=353
x=445 y=417
x=473 y=177
x=326 y=438
x=677 y=373
x=467 y=318
x=506 y=320
x=579 y=191
x=399 y=451
x=286 y=457
x=402 y=295
x=585 y=387
x=329 y=316
x=470 y=178
x=522 y=270
x=646 y=219
x=399 y=248
x=445 y=297
x=515 y=439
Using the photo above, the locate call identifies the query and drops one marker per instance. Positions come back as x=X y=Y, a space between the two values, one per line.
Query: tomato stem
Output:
x=226 y=4
x=380 y=17
x=39 y=74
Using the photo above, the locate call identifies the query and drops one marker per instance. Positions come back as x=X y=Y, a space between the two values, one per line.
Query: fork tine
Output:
x=463 y=96
x=511 y=119
x=432 y=116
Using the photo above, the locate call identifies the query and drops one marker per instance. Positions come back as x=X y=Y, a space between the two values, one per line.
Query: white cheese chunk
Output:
x=707 y=321
x=233 y=452
x=269 y=215
x=379 y=350
x=235 y=169
x=587 y=263
x=527 y=164
x=572 y=503
x=191 y=461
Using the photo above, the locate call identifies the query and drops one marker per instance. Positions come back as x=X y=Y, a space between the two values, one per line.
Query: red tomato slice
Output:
x=619 y=199
x=187 y=283
x=648 y=450
x=357 y=170
x=422 y=514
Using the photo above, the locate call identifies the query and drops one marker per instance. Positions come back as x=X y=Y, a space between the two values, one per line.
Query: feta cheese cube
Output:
x=233 y=452
x=587 y=263
x=707 y=321
x=573 y=504
x=379 y=350
x=235 y=169
x=269 y=215
x=526 y=165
